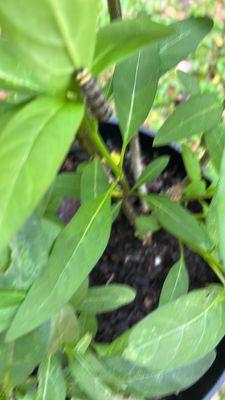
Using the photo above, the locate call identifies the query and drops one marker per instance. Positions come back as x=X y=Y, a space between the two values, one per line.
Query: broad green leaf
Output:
x=197 y=115
x=94 y=181
x=221 y=210
x=107 y=298
x=7 y=111
x=66 y=184
x=188 y=34
x=88 y=380
x=5 y=257
x=134 y=95
x=116 y=210
x=162 y=339
x=15 y=73
x=19 y=358
x=179 y=222
x=191 y=163
x=74 y=254
x=83 y=344
x=136 y=380
x=80 y=294
x=120 y=39
x=145 y=224
x=6 y=316
x=88 y=324
x=195 y=190
x=189 y=82
x=30 y=250
x=152 y=171
x=32 y=147
x=176 y=283
x=11 y=297
x=51 y=381
x=215 y=144
x=65 y=41
x=64 y=328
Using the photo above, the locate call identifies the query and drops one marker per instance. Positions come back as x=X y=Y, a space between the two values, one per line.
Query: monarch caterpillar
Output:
x=93 y=95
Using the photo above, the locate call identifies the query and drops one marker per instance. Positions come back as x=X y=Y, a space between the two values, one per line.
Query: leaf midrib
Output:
x=188 y=120
x=75 y=250
x=219 y=298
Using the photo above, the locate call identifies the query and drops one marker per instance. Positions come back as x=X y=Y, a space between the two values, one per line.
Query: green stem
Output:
x=216 y=266
x=106 y=154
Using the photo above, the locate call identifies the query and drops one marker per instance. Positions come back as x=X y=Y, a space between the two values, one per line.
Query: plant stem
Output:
x=105 y=153
x=216 y=266
x=114 y=8
x=137 y=168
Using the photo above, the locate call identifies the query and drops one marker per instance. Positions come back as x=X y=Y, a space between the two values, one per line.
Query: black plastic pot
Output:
x=210 y=383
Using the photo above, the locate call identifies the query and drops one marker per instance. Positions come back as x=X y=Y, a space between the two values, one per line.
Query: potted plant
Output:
x=50 y=52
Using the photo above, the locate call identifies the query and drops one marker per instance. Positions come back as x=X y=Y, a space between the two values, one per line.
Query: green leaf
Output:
x=43 y=128
x=51 y=381
x=197 y=115
x=221 y=209
x=116 y=207
x=134 y=95
x=179 y=222
x=64 y=328
x=94 y=181
x=152 y=171
x=143 y=382
x=88 y=380
x=189 y=83
x=188 y=34
x=5 y=258
x=6 y=316
x=30 y=250
x=191 y=163
x=176 y=283
x=120 y=39
x=66 y=184
x=215 y=144
x=11 y=297
x=195 y=190
x=18 y=359
x=88 y=324
x=65 y=41
x=80 y=294
x=106 y=298
x=15 y=73
x=162 y=339
x=145 y=224
x=74 y=254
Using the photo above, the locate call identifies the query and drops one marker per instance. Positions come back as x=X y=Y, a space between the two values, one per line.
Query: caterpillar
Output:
x=95 y=99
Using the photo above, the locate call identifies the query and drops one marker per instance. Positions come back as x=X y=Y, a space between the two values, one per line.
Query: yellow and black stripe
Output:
x=93 y=95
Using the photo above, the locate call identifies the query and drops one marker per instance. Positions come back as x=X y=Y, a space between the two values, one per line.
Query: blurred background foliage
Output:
x=207 y=65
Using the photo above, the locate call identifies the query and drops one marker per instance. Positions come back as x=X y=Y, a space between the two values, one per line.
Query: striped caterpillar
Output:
x=95 y=99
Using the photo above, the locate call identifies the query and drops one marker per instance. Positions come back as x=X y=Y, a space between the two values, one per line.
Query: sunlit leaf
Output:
x=176 y=283
x=197 y=115
x=120 y=39
x=51 y=381
x=74 y=254
x=32 y=147
x=134 y=95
